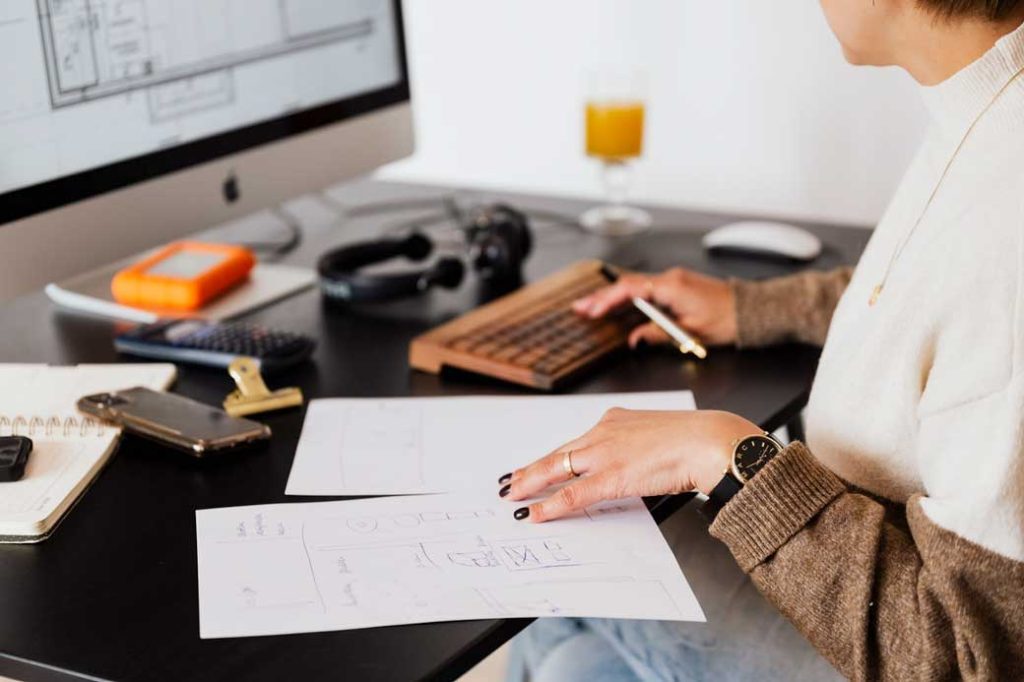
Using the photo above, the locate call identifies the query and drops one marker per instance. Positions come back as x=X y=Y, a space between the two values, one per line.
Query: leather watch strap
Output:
x=720 y=496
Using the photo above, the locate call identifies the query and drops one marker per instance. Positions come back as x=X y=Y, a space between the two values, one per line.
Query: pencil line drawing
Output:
x=400 y=523
x=312 y=571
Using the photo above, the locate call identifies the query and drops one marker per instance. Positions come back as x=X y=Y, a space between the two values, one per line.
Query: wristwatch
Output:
x=749 y=456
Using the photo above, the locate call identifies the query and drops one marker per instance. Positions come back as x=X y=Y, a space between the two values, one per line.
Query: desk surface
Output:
x=112 y=595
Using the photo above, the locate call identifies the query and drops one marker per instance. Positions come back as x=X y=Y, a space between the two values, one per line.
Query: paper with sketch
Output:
x=312 y=567
x=430 y=445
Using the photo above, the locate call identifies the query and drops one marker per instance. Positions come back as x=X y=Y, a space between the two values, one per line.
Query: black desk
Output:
x=112 y=594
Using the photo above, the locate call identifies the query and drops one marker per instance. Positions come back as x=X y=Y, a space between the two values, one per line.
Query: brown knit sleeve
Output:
x=878 y=600
x=794 y=308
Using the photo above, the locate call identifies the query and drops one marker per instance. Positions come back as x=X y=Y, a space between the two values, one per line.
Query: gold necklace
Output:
x=877 y=291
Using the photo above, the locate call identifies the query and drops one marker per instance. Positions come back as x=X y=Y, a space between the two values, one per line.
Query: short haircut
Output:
x=993 y=10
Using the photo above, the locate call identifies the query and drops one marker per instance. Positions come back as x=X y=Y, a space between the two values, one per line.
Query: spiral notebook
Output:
x=69 y=450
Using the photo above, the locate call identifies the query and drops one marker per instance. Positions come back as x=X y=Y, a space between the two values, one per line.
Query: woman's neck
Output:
x=939 y=49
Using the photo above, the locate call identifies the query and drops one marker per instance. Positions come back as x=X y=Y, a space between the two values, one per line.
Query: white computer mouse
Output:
x=763 y=238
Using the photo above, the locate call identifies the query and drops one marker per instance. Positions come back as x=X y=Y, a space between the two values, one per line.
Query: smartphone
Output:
x=174 y=420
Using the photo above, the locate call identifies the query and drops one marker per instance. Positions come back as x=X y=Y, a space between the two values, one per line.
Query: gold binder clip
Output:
x=253 y=396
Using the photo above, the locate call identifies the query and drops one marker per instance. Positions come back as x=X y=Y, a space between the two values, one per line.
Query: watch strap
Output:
x=720 y=496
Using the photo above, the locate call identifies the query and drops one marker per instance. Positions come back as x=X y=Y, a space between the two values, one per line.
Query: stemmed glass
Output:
x=615 y=112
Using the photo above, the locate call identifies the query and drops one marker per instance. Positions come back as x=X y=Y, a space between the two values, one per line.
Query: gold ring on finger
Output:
x=567 y=464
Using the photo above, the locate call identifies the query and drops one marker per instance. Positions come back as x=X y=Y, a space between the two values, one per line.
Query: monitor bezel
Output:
x=53 y=194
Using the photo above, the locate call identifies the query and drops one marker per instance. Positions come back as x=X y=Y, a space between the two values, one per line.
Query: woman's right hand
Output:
x=703 y=306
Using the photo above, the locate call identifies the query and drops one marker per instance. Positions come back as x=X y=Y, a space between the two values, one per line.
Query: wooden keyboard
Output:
x=530 y=337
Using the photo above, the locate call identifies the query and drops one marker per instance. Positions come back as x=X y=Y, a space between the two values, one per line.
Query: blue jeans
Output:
x=745 y=637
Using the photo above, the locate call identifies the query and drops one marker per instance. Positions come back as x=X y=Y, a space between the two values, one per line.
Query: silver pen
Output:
x=685 y=342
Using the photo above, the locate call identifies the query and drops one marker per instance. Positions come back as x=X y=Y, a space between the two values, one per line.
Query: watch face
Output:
x=752 y=454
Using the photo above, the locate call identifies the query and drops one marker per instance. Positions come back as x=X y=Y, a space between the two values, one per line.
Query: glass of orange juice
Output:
x=615 y=112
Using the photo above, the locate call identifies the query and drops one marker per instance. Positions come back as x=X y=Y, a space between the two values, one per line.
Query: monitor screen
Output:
x=100 y=94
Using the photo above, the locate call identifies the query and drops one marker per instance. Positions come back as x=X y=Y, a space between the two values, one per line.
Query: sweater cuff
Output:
x=762 y=317
x=775 y=505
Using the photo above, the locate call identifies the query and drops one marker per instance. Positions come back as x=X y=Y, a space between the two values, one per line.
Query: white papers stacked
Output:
x=455 y=555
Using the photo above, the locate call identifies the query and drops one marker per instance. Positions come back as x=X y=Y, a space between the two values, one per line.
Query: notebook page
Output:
x=52 y=465
x=68 y=451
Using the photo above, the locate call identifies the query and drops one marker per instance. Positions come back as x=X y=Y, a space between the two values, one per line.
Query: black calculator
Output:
x=215 y=344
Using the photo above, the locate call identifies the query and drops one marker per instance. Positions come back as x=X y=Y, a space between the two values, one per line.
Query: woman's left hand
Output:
x=632 y=453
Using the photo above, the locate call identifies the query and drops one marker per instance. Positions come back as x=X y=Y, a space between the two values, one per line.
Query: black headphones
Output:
x=499 y=242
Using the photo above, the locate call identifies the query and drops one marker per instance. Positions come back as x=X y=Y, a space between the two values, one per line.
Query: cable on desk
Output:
x=283 y=247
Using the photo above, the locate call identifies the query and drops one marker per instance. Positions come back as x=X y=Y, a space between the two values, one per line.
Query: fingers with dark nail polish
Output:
x=521 y=513
x=505 y=479
x=504 y=491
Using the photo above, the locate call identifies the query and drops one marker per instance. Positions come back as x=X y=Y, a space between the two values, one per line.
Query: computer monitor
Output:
x=127 y=123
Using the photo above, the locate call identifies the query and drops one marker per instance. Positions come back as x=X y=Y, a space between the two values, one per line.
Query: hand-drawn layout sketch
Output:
x=312 y=567
x=100 y=48
x=431 y=445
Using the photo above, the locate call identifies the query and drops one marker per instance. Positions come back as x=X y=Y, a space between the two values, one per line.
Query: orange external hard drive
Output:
x=182 y=276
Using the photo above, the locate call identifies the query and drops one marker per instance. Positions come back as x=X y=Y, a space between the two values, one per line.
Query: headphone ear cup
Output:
x=501 y=242
x=446 y=273
x=525 y=238
x=502 y=252
x=416 y=247
x=491 y=255
x=517 y=231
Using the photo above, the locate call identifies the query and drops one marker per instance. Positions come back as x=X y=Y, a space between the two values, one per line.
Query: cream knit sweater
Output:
x=919 y=399
x=924 y=392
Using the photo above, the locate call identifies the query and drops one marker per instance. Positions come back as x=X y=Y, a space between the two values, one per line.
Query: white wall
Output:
x=751 y=105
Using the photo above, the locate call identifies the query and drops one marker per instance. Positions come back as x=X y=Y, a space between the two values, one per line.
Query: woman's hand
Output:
x=702 y=305
x=631 y=453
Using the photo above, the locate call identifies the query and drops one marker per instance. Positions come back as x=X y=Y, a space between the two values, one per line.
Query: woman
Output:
x=894 y=540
